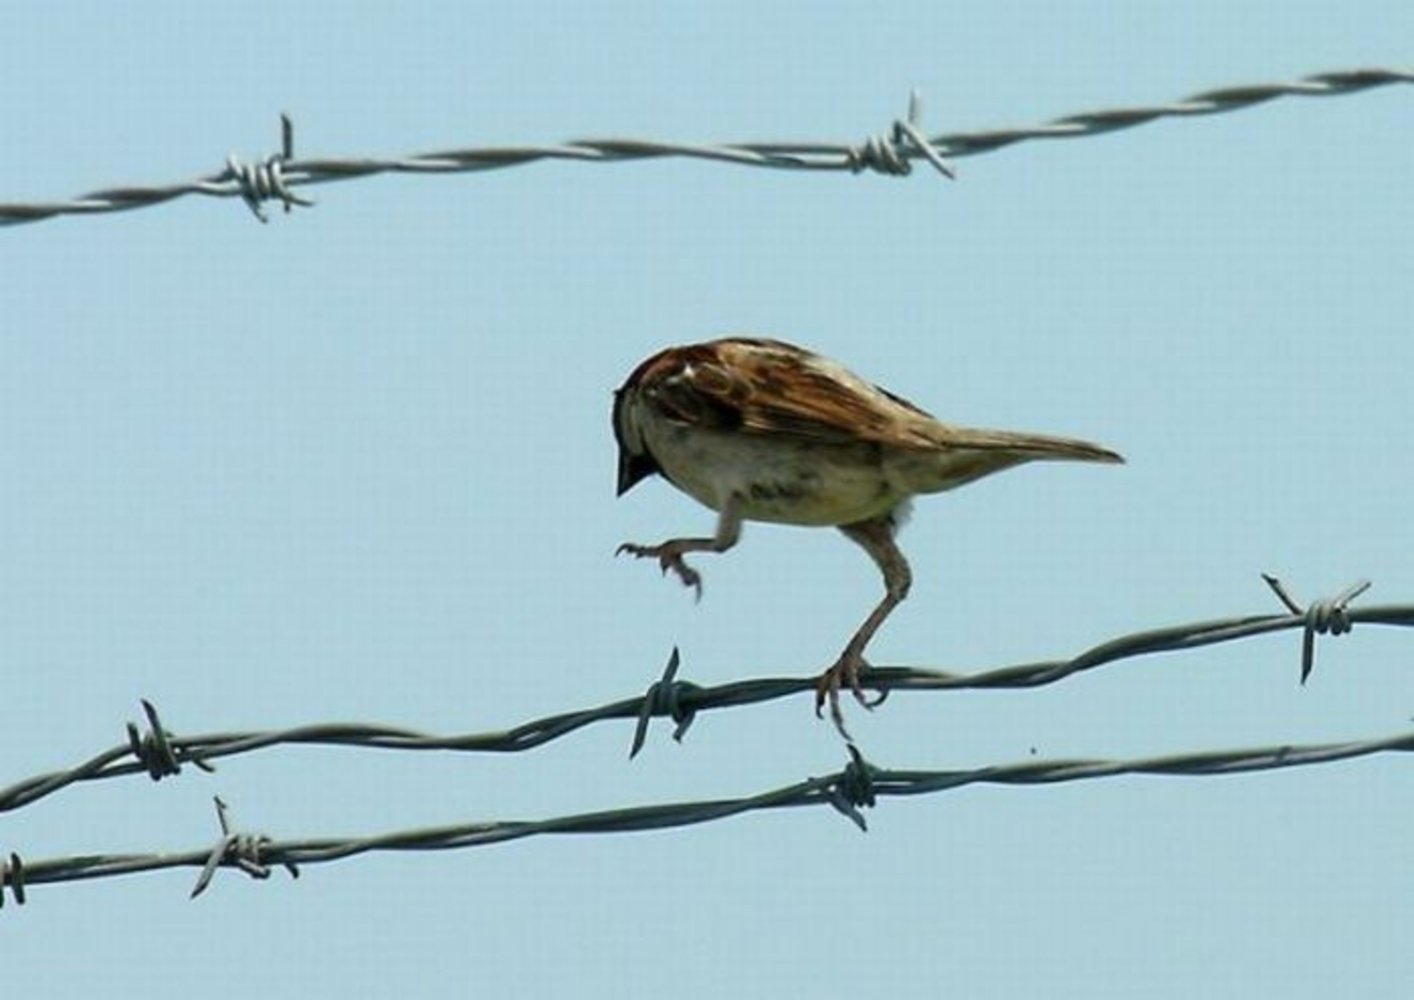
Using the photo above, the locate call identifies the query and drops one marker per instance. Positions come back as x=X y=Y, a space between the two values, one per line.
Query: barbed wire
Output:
x=159 y=752
x=891 y=153
x=859 y=785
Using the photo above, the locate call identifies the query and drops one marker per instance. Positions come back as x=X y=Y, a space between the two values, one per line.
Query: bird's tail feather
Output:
x=1032 y=446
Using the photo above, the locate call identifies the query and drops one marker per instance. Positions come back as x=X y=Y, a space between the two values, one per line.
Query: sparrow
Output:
x=762 y=430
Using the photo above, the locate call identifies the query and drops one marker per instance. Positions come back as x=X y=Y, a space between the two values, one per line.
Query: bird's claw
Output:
x=668 y=559
x=845 y=672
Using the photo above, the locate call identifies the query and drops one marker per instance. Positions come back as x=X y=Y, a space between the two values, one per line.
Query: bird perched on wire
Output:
x=762 y=430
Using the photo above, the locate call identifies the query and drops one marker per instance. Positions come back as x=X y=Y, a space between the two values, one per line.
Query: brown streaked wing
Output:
x=690 y=384
x=771 y=387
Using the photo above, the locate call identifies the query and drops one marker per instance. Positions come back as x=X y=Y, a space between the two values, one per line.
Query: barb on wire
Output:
x=890 y=154
x=858 y=784
x=154 y=749
x=682 y=700
x=1329 y=615
x=279 y=174
x=238 y=850
x=664 y=697
x=260 y=182
x=12 y=874
x=855 y=788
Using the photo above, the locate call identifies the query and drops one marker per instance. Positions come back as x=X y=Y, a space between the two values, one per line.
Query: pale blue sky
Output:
x=356 y=465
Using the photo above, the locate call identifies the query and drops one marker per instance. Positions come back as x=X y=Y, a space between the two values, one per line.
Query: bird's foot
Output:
x=669 y=557
x=845 y=673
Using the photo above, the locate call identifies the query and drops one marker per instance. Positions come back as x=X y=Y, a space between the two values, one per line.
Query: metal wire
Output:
x=859 y=784
x=890 y=153
x=682 y=700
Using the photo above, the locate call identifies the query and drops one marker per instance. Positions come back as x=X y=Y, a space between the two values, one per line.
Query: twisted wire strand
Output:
x=892 y=153
x=681 y=700
x=859 y=784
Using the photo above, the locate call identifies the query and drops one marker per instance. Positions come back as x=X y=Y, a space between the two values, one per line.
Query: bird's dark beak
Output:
x=633 y=469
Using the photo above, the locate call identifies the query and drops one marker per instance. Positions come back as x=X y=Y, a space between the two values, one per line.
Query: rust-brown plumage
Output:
x=763 y=430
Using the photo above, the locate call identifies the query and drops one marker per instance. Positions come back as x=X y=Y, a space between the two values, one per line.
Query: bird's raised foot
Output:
x=669 y=558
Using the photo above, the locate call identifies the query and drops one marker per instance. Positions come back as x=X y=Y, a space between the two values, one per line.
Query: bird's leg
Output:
x=669 y=554
x=877 y=538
